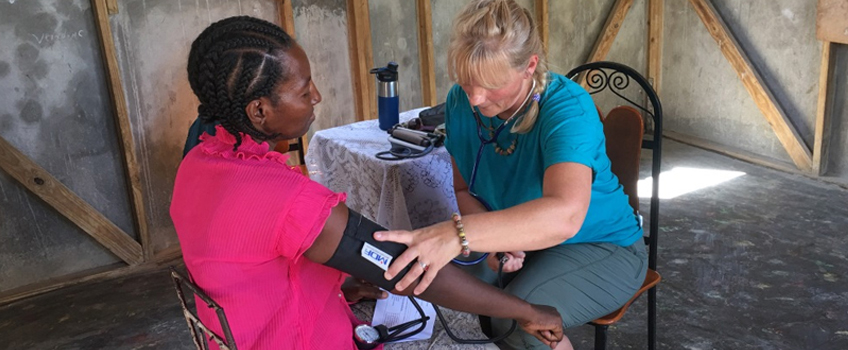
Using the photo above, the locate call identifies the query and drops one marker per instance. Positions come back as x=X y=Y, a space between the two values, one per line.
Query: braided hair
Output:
x=232 y=62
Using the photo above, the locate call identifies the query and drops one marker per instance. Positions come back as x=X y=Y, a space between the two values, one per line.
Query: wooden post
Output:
x=822 y=136
x=425 y=52
x=751 y=79
x=610 y=31
x=655 y=44
x=361 y=59
x=112 y=5
x=119 y=108
x=78 y=211
x=542 y=23
x=287 y=17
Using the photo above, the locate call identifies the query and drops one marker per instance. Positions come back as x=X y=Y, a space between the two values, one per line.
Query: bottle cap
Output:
x=387 y=73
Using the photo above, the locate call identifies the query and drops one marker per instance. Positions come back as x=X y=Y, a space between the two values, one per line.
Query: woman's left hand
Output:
x=355 y=289
x=433 y=246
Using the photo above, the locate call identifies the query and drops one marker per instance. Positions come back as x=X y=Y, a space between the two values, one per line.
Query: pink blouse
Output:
x=244 y=219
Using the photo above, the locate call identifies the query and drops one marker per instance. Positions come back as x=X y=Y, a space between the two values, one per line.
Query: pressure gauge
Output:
x=366 y=337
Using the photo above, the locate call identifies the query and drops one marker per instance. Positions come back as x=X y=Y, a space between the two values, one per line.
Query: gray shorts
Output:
x=582 y=281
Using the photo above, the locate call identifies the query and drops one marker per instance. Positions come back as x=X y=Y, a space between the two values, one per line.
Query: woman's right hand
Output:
x=514 y=261
x=544 y=323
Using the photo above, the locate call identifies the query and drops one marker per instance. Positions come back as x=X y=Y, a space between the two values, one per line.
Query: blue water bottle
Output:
x=388 y=107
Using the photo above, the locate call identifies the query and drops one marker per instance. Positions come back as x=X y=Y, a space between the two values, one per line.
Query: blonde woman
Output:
x=532 y=178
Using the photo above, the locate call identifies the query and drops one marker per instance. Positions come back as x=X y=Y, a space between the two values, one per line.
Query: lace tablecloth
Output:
x=403 y=194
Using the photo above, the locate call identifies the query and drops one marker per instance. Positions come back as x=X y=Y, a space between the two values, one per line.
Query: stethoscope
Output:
x=483 y=142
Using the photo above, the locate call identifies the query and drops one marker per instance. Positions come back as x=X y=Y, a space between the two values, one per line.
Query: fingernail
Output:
x=378 y=235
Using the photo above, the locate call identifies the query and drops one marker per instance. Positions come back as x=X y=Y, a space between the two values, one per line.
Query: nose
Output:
x=316 y=95
x=476 y=96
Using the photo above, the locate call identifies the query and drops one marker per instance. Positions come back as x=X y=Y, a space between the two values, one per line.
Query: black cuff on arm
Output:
x=361 y=256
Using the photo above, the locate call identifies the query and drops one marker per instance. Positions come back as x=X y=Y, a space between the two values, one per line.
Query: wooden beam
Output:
x=287 y=17
x=119 y=109
x=753 y=82
x=112 y=6
x=46 y=187
x=655 y=43
x=542 y=23
x=361 y=59
x=604 y=42
x=164 y=258
x=731 y=152
x=822 y=136
x=425 y=52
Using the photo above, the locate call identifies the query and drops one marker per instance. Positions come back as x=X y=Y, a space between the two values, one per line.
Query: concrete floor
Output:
x=757 y=262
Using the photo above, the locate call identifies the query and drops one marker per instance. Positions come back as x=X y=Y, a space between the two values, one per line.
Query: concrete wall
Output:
x=394 y=37
x=321 y=28
x=574 y=28
x=54 y=108
x=702 y=94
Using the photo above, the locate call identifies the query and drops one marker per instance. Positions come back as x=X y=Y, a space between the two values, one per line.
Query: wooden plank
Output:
x=753 y=82
x=731 y=152
x=613 y=24
x=287 y=17
x=164 y=258
x=425 y=52
x=54 y=193
x=655 y=44
x=112 y=5
x=119 y=109
x=361 y=59
x=831 y=23
x=542 y=23
x=822 y=136
x=287 y=23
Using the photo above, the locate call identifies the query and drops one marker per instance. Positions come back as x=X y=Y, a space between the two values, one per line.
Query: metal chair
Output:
x=624 y=128
x=295 y=145
x=199 y=331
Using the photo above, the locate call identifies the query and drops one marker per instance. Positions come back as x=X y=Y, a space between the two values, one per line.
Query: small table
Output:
x=402 y=194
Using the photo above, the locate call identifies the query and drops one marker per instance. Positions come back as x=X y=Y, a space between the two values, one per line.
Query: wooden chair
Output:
x=295 y=145
x=624 y=128
x=199 y=331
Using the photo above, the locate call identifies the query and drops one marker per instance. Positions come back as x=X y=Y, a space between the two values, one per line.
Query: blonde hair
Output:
x=490 y=36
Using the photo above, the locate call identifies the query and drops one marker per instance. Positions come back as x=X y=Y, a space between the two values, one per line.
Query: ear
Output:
x=531 y=66
x=255 y=111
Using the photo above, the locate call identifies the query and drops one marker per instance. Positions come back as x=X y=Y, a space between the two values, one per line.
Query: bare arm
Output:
x=542 y=223
x=552 y=219
x=453 y=288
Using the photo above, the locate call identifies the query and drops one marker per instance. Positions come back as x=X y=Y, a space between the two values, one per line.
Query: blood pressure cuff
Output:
x=361 y=256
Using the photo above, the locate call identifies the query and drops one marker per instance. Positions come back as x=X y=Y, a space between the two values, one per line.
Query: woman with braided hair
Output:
x=255 y=233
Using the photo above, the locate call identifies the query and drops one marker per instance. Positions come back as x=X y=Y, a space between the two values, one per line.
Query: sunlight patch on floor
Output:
x=682 y=180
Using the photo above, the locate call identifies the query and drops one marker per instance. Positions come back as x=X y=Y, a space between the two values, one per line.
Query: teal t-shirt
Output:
x=568 y=129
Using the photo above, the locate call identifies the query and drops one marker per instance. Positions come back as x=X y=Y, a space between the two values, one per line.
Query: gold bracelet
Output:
x=460 y=231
